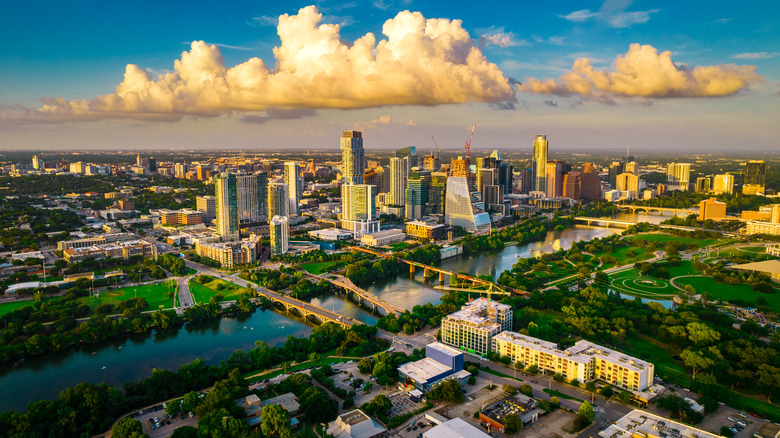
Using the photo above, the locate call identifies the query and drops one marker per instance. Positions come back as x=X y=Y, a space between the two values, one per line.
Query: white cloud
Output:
x=420 y=62
x=645 y=73
x=721 y=21
x=755 y=55
x=498 y=37
x=622 y=20
x=579 y=16
x=265 y=20
x=556 y=40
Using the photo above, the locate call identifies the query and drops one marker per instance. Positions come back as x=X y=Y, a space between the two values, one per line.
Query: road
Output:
x=185 y=297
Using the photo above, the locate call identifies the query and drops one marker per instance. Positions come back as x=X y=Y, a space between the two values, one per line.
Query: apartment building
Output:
x=98 y=240
x=583 y=361
x=123 y=250
x=473 y=327
x=230 y=254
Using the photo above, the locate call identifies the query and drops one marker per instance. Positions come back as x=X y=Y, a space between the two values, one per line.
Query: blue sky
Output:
x=79 y=51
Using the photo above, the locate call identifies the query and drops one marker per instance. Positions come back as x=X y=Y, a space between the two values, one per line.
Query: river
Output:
x=134 y=358
x=212 y=341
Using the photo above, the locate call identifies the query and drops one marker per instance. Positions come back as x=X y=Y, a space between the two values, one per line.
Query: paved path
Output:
x=185 y=297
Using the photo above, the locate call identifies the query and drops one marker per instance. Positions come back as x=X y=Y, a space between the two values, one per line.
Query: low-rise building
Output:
x=441 y=363
x=230 y=254
x=252 y=407
x=425 y=230
x=125 y=250
x=473 y=327
x=98 y=240
x=288 y=401
x=638 y=423
x=583 y=361
x=355 y=424
x=455 y=428
x=712 y=209
x=382 y=238
x=330 y=234
x=185 y=216
x=524 y=407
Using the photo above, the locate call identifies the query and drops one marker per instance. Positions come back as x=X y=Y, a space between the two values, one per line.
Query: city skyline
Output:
x=588 y=74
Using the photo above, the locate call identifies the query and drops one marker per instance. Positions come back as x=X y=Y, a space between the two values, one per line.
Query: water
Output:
x=407 y=292
x=669 y=304
x=347 y=306
x=134 y=358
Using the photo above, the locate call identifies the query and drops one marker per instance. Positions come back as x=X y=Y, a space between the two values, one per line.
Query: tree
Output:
x=527 y=390
x=185 y=432
x=275 y=421
x=509 y=389
x=512 y=424
x=472 y=380
x=381 y=403
x=586 y=410
x=696 y=361
x=220 y=423
x=558 y=377
x=128 y=428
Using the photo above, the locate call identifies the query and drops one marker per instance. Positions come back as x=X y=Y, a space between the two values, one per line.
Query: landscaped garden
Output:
x=204 y=287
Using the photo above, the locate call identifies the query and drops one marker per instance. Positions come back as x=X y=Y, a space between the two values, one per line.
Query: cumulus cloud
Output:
x=643 y=72
x=419 y=62
x=755 y=55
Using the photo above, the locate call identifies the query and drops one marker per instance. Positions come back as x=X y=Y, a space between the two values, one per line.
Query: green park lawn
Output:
x=630 y=282
x=202 y=293
x=156 y=295
x=725 y=292
x=623 y=258
x=318 y=268
x=10 y=306
x=663 y=238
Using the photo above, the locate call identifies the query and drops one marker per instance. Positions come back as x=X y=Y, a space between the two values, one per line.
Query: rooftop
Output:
x=767 y=266
x=480 y=312
x=423 y=369
x=444 y=349
x=641 y=423
x=455 y=428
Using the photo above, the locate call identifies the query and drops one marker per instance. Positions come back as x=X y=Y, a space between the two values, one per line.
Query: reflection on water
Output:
x=134 y=357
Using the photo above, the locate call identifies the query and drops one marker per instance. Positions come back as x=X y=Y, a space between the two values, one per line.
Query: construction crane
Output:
x=468 y=145
x=491 y=290
x=438 y=151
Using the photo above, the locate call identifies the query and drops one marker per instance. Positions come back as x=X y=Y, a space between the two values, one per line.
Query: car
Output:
x=534 y=381
x=408 y=429
x=470 y=398
x=156 y=420
x=730 y=418
x=741 y=423
x=414 y=428
x=742 y=414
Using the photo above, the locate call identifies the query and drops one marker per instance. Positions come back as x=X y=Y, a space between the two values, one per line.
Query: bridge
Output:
x=660 y=210
x=603 y=221
x=307 y=309
x=361 y=294
x=429 y=271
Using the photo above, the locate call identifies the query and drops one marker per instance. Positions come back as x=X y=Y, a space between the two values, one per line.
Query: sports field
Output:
x=158 y=295
x=202 y=293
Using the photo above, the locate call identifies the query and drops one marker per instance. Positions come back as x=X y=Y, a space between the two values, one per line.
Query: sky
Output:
x=692 y=76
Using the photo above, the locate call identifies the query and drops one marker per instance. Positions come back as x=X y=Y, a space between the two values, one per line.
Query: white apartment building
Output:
x=473 y=327
x=583 y=361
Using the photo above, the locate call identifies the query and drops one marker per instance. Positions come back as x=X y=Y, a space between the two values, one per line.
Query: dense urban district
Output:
x=662 y=322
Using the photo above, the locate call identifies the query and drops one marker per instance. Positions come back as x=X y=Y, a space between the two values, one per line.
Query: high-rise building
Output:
x=37 y=163
x=399 y=174
x=461 y=166
x=382 y=179
x=486 y=177
x=473 y=327
x=632 y=167
x=431 y=163
x=712 y=209
x=755 y=178
x=152 y=164
x=554 y=178
x=279 y=227
x=723 y=184
x=295 y=185
x=252 y=196
x=417 y=190
x=492 y=195
x=458 y=210
x=628 y=182
x=353 y=158
x=358 y=212
x=678 y=176
x=207 y=205
x=526 y=180
x=505 y=176
x=227 y=205
x=703 y=184
x=278 y=203
x=437 y=193
x=180 y=170
x=410 y=152
x=615 y=169
x=572 y=186
x=539 y=164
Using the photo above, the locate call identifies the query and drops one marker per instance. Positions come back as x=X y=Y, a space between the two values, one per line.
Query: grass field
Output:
x=202 y=293
x=630 y=282
x=14 y=305
x=156 y=295
x=252 y=377
x=318 y=268
x=560 y=395
x=621 y=254
x=725 y=292
x=663 y=238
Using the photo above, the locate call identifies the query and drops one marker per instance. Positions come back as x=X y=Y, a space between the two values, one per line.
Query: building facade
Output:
x=207 y=205
x=231 y=254
x=755 y=178
x=353 y=158
x=278 y=203
x=472 y=328
x=227 y=205
x=279 y=228
x=539 y=164
x=458 y=210
x=294 y=186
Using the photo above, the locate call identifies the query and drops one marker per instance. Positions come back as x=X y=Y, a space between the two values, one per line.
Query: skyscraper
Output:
x=492 y=195
x=417 y=190
x=279 y=227
x=615 y=169
x=295 y=186
x=539 y=164
x=755 y=178
x=459 y=211
x=554 y=178
x=399 y=174
x=590 y=184
x=36 y=162
x=628 y=182
x=678 y=175
x=437 y=193
x=382 y=179
x=252 y=196
x=572 y=186
x=353 y=158
x=358 y=211
x=278 y=204
x=227 y=205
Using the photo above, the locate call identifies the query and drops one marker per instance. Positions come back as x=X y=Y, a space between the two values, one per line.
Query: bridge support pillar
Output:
x=411 y=269
x=441 y=278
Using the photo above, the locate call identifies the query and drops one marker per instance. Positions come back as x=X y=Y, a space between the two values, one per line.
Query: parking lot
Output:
x=403 y=404
x=720 y=418
x=166 y=425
